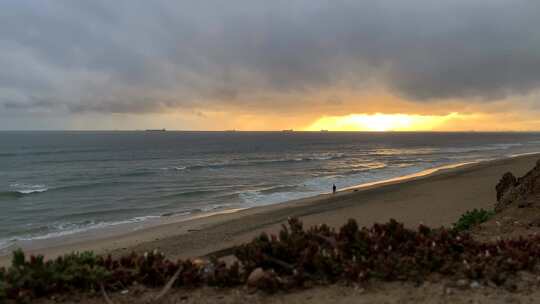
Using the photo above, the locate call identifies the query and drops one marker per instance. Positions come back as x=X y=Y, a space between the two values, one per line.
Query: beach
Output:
x=435 y=199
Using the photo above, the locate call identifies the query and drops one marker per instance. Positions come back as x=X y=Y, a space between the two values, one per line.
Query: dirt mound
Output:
x=517 y=208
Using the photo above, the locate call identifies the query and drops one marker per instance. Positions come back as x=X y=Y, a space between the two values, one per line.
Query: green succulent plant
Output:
x=472 y=218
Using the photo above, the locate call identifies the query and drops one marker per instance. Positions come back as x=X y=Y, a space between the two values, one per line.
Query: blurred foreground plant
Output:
x=319 y=255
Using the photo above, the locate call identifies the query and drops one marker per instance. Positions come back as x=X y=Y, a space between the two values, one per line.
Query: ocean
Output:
x=54 y=184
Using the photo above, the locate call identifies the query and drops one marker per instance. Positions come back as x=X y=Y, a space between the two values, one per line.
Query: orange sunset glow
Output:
x=381 y=122
x=272 y=66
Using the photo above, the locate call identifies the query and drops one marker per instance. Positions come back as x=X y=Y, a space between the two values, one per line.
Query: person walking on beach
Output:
x=334 y=189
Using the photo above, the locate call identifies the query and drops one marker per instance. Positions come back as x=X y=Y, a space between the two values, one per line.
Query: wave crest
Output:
x=257 y=161
x=19 y=190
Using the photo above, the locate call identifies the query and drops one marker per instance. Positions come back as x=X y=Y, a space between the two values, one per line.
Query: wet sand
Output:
x=435 y=199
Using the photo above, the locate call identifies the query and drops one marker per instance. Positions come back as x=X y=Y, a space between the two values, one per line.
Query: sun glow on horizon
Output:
x=381 y=122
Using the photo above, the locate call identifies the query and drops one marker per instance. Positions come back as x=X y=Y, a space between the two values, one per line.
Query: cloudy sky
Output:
x=259 y=64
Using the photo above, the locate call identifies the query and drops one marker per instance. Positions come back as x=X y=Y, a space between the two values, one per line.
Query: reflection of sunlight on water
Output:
x=413 y=175
x=358 y=166
x=403 y=151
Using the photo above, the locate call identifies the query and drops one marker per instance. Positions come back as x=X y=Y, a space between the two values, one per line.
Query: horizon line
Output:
x=269 y=131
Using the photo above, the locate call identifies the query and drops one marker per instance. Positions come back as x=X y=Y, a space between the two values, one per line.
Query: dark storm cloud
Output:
x=145 y=56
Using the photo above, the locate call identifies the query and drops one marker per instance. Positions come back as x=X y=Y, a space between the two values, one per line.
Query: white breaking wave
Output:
x=258 y=161
x=28 y=188
x=65 y=229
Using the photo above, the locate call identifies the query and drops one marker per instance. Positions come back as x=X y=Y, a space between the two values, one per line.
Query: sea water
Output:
x=54 y=184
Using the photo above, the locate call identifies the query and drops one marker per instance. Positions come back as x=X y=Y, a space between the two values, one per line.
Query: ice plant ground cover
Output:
x=289 y=260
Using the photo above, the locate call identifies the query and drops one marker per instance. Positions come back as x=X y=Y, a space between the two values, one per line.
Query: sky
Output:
x=372 y=65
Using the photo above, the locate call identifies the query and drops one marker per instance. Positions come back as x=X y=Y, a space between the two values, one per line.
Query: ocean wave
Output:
x=523 y=154
x=193 y=193
x=103 y=212
x=88 y=185
x=66 y=229
x=63 y=229
x=137 y=172
x=174 y=168
x=492 y=147
x=261 y=191
x=177 y=213
x=106 y=159
x=213 y=207
x=257 y=198
x=329 y=156
x=19 y=190
x=261 y=161
x=256 y=161
x=50 y=152
x=279 y=188
x=404 y=151
x=30 y=191
x=192 y=211
x=6 y=243
x=442 y=150
x=403 y=165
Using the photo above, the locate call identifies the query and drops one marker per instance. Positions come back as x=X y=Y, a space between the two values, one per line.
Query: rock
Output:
x=507 y=181
x=474 y=285
x=264 y=280
x=521 y=192
x=255 y=277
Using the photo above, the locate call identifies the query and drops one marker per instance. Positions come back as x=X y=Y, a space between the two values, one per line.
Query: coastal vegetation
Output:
x=293 y=259
x=472 y=218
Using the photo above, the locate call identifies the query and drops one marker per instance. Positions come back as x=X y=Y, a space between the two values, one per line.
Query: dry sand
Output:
x=436 y=199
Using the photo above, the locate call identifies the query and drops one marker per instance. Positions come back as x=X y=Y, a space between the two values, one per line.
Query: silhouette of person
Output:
x=334 y=188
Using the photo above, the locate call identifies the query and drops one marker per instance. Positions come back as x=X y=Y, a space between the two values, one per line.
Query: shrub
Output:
x=385 y=251
x=319 y=254
x=472 y=218
x=35 y=277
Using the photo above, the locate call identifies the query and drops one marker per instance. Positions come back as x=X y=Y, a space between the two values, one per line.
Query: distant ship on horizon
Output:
x=156 y=130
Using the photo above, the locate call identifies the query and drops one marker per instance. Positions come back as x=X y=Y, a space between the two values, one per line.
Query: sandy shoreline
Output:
x=434 y=198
